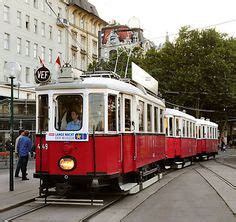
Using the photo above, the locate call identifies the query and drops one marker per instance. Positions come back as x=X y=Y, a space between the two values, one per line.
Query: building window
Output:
x=82 y=62
x=27 y=74
x=94 y=29
x=27 y=48
x=59 y=36
x=50 y=32
x=74 y=18
x=36 y=4
x=83 y=42
x=74 y=59
x=43 y=52
x=35 y=50
x=6 y=41
x=50 y=55
x=6 y=17
x=20 y=74
x=18 y=45
x=95 y=47
x=18 y=20
x=43 y=5
x=35 y=26
x=82 y=23
x=49 y=8
x=27 y=22
x=43 y=29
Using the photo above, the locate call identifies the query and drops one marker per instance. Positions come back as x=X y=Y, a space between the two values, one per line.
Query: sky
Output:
x=157 y=17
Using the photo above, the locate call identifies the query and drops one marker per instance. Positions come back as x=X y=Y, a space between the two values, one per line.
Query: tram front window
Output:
x=69 y=112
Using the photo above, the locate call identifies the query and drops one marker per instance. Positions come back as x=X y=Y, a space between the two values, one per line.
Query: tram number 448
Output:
x=44 y=146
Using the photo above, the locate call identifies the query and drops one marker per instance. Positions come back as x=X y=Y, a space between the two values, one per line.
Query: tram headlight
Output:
x=67 y=163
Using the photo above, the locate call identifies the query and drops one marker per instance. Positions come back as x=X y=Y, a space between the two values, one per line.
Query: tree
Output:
x=196 y=70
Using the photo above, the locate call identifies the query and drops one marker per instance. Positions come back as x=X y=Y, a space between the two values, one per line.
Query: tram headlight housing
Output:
x=67 y=163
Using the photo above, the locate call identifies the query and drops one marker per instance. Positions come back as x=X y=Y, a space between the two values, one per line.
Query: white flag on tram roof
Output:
x=58 y=64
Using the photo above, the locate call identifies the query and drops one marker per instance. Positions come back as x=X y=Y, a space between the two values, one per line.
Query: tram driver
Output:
x=75 y=124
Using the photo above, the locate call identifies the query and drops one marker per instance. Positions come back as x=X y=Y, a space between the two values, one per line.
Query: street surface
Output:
x=204 y=192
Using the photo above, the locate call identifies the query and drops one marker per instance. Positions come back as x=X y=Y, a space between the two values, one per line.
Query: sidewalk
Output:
x=23 y=190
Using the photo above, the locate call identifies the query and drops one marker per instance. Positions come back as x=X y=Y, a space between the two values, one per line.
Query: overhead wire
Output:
x=204 y=27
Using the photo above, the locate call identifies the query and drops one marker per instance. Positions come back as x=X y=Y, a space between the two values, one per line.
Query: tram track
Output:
x=222 y=178
x=19 y=212
x=219 y=182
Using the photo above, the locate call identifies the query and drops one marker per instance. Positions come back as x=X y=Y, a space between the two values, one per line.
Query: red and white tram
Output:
x=207 y=138
x=119 y=138
x=181 y=141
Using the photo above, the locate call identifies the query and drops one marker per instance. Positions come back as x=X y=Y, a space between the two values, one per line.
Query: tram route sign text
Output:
x=42 y=75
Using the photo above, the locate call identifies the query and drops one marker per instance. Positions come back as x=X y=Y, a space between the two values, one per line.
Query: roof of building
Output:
x=84 y=4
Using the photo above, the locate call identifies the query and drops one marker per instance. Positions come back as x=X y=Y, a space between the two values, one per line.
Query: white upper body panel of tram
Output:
x=177 y=113
x=94 y=83
x=206 y=122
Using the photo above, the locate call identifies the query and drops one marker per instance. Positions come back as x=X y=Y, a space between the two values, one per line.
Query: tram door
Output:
x=128 y=149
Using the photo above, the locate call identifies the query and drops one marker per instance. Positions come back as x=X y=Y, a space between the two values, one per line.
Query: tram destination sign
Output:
x=42 y=75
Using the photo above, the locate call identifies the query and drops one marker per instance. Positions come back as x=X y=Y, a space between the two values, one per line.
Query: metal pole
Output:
x=12 y=134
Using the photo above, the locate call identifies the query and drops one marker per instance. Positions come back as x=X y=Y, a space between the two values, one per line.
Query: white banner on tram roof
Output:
x=143 y=78
x=66 y=136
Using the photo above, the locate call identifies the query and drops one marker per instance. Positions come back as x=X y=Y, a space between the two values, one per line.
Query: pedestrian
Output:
x=19 y=163
x=222 y=144
x=24 y=147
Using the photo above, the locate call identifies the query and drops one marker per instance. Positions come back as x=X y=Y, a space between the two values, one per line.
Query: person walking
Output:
x=19 y=163
x=24 y=147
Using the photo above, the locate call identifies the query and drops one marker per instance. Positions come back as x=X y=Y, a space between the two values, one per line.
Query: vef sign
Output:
x=42 y=75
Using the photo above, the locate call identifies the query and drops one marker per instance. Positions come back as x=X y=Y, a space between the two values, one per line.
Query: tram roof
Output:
x=206 y=122
x=100 y=83
x=174 y=112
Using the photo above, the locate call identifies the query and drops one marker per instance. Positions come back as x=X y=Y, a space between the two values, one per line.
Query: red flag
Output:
x=58 y=62
x=41 y=61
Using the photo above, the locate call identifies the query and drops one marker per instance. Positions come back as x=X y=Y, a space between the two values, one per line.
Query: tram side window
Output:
x=177 y=129
x=184 y=131
x=43 y=113
x=170 y=126
x=149 y=117
x=112 y=113
x=96 y=112
x=191 y=129
x=155 y=119
x=194 y=130
x=187 y=129
x=141 y=116
x=69 y=112
x=127 y=115
x=161 y=121
x=204 y=132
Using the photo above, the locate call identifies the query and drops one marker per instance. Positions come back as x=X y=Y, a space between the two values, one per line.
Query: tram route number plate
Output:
x=66 y=136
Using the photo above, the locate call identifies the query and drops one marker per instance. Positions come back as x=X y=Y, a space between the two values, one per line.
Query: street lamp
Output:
x=12 y=69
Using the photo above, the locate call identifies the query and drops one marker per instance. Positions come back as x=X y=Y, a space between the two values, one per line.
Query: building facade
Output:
x=115 y=36
x=33 y=29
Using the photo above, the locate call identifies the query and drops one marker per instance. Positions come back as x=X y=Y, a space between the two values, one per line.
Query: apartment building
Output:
x=46 y=29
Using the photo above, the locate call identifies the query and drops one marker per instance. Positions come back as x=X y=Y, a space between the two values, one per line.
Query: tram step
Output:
x=50 y=200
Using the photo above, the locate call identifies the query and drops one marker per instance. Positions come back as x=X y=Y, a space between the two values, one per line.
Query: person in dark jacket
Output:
x=19 y=163
x=24 y=147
